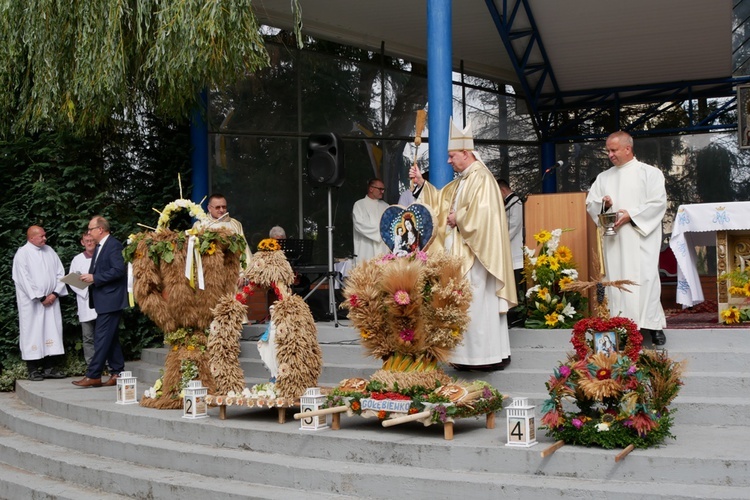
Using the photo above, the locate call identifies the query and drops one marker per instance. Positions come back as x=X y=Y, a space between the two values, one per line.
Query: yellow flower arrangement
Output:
x=548 y=303
x=269 y=245
x=739 y=287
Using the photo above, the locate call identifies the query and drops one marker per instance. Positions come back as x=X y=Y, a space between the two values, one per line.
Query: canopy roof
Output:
x=589 y=44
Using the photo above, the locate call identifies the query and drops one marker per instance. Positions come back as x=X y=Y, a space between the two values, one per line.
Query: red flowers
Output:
x=389 y=395
x=354 y=301
x=407 y=334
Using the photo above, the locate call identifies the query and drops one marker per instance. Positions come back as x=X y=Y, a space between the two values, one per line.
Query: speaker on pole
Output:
x=325 y=160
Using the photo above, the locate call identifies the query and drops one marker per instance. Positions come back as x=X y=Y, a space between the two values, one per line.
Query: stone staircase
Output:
x=61 y=442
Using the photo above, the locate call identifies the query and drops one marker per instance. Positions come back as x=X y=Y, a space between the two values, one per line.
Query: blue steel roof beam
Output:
x=704 y=125
x=504 y=23
x=719 y=87
x=604 y=98
x=649 y=133
x=728 y=106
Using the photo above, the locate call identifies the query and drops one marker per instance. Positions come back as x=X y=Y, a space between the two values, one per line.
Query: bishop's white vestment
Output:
x=480 y=239
x=633 y=254
x=36 y=273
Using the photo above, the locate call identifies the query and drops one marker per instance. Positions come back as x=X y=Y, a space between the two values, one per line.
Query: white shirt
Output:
x=81 y=264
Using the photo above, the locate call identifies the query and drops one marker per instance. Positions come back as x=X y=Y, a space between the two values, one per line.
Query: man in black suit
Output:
x=108 y=296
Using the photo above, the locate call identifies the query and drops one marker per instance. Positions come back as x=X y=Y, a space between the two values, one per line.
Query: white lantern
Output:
x=521 y=425
x=311 y=401
x=126 y=389
x=194 y=402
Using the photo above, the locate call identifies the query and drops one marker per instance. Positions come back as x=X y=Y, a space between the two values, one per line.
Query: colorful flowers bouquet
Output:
x=621 y=397
x=548 y=304
x=740 y=287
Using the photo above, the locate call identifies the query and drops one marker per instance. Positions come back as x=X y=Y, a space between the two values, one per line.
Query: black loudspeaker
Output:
x=325 y=160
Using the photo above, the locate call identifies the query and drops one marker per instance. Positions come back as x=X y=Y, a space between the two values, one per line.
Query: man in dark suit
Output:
x=108 y=296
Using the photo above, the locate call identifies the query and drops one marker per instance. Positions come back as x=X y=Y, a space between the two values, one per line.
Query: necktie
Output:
x=93 y=259
x=91 y=271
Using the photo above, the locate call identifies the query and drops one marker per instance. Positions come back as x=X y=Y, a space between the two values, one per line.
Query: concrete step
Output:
x=132 y=465
x=251 y=446
x=18 y=483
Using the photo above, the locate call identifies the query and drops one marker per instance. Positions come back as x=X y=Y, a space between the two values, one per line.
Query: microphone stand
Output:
x=535 y=186
x=331 y=276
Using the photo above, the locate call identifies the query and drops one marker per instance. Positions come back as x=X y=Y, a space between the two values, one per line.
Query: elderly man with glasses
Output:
x=108 y=296
x=366 y=219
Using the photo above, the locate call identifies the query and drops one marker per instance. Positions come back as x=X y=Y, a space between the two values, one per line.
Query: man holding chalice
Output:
x=629 y=201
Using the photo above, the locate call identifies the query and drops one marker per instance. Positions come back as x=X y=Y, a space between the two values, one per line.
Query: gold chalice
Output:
x=608 y=222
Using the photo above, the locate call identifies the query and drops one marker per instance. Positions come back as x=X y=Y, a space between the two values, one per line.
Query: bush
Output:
x=59 y=181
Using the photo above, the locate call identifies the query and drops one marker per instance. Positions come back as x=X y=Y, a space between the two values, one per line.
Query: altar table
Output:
x=697 y=225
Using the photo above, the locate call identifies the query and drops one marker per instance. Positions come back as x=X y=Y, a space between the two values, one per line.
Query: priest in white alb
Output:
x=636 y=192
x=471 y=224
x=366 y=216
x=36 y=273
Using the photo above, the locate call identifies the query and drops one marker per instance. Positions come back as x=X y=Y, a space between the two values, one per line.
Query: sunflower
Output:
x=564 y=254
x=731 y=315
x=269 y=245
x=552 y=319
x=543 y=236
x=554 y=263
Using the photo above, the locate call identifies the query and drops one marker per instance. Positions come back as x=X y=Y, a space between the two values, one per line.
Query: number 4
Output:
x=517 y=431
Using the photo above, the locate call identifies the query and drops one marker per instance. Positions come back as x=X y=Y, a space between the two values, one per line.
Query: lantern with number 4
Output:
x=521 y=425
x=312 y=400
x=194 y=402
x=126 y=389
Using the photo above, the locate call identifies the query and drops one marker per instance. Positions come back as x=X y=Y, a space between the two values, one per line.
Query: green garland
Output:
x=441 y=407
x=164 y=250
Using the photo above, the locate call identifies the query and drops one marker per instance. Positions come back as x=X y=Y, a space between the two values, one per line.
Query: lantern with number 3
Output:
x=521 y=424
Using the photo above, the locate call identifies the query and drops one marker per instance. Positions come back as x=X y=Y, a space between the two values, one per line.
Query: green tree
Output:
x=59 y=180
x=83 y=64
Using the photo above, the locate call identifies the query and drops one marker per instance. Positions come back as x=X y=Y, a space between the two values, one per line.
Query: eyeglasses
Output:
x=379 y=188
x=89 y=229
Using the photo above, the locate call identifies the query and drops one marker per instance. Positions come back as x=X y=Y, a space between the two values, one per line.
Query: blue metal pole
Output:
x=439 y=88
x=549 y=183
x=199 y=142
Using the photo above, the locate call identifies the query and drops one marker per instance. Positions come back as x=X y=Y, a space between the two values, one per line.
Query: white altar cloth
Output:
x=696 y=225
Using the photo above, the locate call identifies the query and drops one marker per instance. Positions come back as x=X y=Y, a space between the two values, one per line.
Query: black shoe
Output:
x=460 y=368
x=658 y=337
x=53 y=373
x=36 y=375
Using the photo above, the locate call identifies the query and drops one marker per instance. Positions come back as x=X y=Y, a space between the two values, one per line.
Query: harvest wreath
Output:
x=411 y=311
x=621 y=396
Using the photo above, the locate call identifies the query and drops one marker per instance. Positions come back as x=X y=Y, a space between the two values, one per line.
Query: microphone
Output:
x=560 y=163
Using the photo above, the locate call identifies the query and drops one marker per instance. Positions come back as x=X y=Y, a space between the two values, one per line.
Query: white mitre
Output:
x=460 y=140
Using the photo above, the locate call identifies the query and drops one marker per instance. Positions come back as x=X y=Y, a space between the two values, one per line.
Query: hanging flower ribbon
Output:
x=194 y=263
x=131 y=300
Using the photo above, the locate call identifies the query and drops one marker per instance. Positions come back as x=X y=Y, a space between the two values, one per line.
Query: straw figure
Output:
x=178 y=278
x=291 y=352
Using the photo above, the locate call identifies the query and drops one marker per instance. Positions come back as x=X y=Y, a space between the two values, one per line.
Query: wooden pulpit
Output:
x=565 y=211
